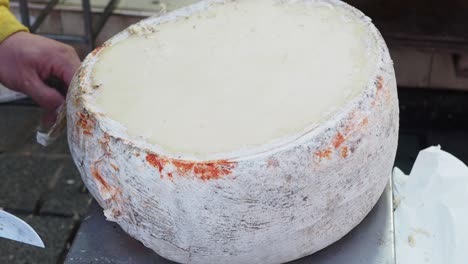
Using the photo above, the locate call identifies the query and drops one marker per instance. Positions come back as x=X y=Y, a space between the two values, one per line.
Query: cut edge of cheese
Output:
x=147 y=27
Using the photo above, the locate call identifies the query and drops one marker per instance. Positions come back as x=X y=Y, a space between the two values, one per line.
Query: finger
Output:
x=65 y=65
x=47 y=97
x=70 y=66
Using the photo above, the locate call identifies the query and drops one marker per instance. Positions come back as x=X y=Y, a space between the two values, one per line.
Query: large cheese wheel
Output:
x=237 y=131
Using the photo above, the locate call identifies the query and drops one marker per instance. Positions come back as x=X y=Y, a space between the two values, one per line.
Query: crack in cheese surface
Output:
x=236 y=76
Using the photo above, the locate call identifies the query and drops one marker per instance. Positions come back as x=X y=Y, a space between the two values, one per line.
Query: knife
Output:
x=13 y=228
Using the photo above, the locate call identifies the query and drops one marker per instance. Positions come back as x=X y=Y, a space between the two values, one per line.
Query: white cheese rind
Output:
x=268 y=206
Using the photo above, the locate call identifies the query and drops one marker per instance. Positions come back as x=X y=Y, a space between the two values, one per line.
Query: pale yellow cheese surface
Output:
x=236 y=76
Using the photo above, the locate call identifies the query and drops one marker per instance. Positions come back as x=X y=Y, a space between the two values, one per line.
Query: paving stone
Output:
x=68 y=197
x=30 y=146
x=23 y=180
x=54 y=231
x=16 y=123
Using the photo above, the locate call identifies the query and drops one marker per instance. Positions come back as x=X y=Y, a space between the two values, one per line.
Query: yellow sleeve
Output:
x=8 y=22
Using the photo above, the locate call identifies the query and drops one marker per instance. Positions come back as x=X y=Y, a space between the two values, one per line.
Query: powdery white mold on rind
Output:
x=272 y=204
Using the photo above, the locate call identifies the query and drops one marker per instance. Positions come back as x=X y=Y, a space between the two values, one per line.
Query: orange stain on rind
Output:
x=97 y=176
x=210 y=170
x=338 y=140
x=344 y=152
x=85 y=123
x=324 y=154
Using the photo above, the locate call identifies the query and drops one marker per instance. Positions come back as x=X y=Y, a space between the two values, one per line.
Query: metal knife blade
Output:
x=13 y=228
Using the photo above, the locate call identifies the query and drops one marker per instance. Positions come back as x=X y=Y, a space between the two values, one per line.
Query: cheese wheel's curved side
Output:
x=270 y=207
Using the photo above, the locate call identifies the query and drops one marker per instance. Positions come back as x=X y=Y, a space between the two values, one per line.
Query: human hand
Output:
x=28 y=60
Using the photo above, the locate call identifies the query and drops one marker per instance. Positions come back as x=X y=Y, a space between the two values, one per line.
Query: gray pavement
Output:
x=40 y=185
